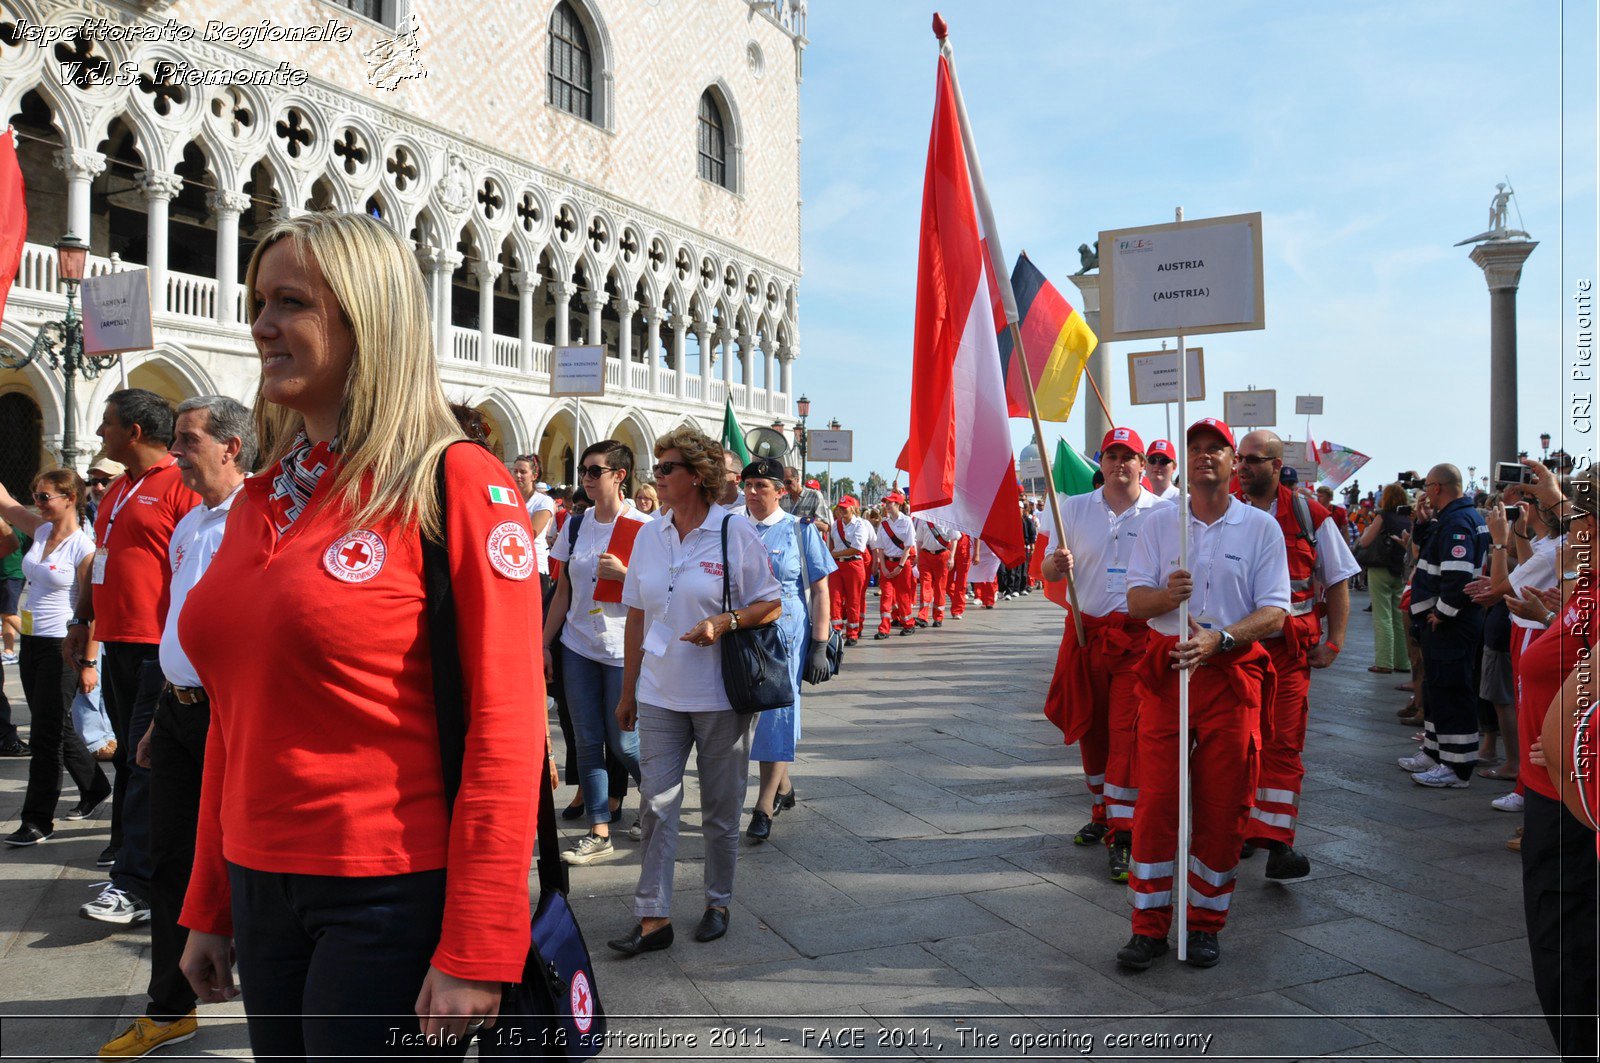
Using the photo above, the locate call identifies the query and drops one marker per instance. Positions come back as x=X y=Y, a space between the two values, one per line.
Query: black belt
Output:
x=188 y=695
x=936 y=553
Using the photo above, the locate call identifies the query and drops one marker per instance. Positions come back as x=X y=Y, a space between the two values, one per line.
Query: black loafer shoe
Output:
x=713 y=924
x=1283 y=862
x=1203 y=950
x=107 y=857
x=572 y=812
x=637 y=942
x=881 y=635
x=1247 y=850
x=908 y=631
x=27 y=834
x=922 y=623
x=784 y=802
x=1141 y=951
x=760 y=830
x=851 y=642
x=85 y=808
x=938 y=623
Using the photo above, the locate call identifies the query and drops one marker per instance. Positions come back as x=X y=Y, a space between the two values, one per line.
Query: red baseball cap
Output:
x=1122 y=437
x=894 y=496
x=814 y=484
x=1214 y=425
x=849 y=500
x=1163 y=447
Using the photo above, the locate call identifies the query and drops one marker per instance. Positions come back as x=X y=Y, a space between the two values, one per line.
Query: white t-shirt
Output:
x=52 y=582
x=542 y=503
x=1539 y=572
x=903 y=530
x=857 y=535
x=1102 y=544
x=193 y=544
x=592 y=629
x=1239 y=564
x=677 y=585
x=926 y=540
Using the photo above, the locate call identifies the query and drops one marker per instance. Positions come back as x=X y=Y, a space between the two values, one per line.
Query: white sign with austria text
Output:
x=1153 y=376
x=577 y=371
x=829 y=444
x=1258 y=409
x=1030 y=469
x=1182 y=278
x=116 y=312
x=1308 y=404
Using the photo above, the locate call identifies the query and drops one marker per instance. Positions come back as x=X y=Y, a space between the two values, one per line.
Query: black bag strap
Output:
x=573 y=523
x=727 y=595
x=448 y=705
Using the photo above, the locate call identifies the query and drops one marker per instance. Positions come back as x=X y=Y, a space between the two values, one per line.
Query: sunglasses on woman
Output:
x=41 y=497
x=594 y=472
x=667 y=468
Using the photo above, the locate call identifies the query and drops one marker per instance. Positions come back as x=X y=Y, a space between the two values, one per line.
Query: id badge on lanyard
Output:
x=660 y=636
x=98 y=575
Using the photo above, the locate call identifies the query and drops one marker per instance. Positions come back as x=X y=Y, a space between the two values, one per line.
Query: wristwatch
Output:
x=1228 y=642
x=78 y=621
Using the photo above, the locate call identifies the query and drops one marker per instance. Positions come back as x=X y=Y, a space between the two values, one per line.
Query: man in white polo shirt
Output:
x=213 y=444
x=1237 y=587
x=896 y=549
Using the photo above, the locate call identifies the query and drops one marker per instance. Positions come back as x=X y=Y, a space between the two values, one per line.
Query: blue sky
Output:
x=1370 y=136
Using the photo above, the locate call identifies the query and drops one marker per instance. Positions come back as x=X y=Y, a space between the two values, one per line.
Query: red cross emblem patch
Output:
x=582 y=1000
x=511 y=550
x=356 y=557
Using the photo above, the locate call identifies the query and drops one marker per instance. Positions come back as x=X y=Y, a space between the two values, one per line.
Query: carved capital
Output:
x=626 y=307
x=227 y=202
x=1501 y=262
x=78 y=163
x=487 y=272
x=158 y=184
x=526 y=280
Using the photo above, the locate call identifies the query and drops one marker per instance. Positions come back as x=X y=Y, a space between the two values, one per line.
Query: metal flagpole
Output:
x=1003 y=281
x=1180 y=869
x=577 y=443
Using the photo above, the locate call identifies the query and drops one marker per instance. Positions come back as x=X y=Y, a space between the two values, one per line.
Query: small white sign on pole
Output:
x=1308 y=404
x=116 y=312
x=577 y=371
x=1153 y=376
x=1030 y=469
x=1258 y=409
x=1294 y=457
x=1182 y=278
x=829 y=444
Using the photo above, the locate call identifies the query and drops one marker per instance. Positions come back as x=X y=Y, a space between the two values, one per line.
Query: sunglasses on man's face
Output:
x=1158 y=460
x=95 y=481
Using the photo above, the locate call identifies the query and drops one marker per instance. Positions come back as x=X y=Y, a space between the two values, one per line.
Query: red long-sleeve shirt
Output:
x=323 y=754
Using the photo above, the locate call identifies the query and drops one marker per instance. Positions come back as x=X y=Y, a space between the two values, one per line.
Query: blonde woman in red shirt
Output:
x=369 y=918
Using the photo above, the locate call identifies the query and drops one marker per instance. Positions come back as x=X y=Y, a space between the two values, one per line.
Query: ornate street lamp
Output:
x=1544 y=447
x=59 y=344
x=804 y=406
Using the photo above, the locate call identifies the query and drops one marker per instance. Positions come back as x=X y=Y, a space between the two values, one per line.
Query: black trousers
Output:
x=177 y=757
x=1558 y=901
x=49 y=686
x=331 y=967
x=119 y=676
x=1450 y=655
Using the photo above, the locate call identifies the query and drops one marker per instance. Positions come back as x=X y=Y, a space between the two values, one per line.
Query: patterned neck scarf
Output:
x=298 y=474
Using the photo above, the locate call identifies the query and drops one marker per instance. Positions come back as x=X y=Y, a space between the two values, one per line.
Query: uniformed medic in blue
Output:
x=1453 y=545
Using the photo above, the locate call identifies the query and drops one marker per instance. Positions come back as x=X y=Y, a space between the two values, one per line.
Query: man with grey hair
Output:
x=804 y=502
x=1453 y=542
x=214 y=445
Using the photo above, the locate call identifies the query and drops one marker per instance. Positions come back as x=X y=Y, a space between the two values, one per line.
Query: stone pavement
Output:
x=925 y=900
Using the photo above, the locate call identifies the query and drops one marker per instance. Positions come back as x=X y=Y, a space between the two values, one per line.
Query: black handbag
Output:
x=555 y=1011
x=755 y=662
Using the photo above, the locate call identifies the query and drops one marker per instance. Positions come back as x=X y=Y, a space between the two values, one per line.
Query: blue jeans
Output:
x=593 y=690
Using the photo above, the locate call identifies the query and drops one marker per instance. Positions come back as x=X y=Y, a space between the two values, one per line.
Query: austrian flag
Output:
x=959 y=454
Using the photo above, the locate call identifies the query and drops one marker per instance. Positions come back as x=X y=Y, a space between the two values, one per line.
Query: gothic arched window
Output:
x=571 y=64
x=713 y=141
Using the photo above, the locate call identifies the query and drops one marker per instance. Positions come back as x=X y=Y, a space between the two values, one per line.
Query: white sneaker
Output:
x=636 y=832
x=1440 y=776
x=1511 y=802
x=8 y=657
x=1419 y=763
x=587 y=849
x=115 y=906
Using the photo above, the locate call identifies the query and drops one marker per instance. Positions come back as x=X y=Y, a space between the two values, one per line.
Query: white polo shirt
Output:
x=1239 y=564
x=903 y=529
x=1102 y=545
x=926 y=540
x=677 y=584
x=592 y=629
x=857 y=535
x=193 y=544
x=1169 y=493
x=1539 y=572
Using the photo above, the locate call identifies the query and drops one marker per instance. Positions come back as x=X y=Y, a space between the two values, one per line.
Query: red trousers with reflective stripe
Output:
x=986 y=592
x=897 y=597
x=956 y=587
x=1225 y=698
x=1276 y=807
x=845 y=587
x=933 y=576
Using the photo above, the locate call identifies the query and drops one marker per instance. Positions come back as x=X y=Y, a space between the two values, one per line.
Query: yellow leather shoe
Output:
x=146 y=1035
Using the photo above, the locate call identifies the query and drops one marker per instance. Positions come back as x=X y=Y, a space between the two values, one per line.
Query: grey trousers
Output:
x=722 y=758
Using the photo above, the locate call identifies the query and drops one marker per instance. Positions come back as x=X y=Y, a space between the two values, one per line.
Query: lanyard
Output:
x=122 y=500
x=1115 y=522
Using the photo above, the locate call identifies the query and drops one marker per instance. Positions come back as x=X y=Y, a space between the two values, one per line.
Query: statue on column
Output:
x=1497 y=219
x=1088 y=259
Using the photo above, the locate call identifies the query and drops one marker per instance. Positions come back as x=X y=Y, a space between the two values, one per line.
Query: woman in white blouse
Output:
x=61 y=556
x=672 y=682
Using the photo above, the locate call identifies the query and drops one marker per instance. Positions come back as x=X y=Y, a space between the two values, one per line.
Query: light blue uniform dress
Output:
x=777 y=730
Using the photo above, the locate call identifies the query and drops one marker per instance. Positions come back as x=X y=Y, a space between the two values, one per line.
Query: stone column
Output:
x=1501 y=262
x=681 y=324
x=227 y=206
x=766 y=368
x=596 y=301
x=786 y=356
x=725 y=352
x=652 y=345
x=81 y=168
x=565 y=290
x=1095 y=426
x=527 y=281
x=747 y=350
x=159 y=188
x=444 y=265
x=486 y=273
x=625 y=308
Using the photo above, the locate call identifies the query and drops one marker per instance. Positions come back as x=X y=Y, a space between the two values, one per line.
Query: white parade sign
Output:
x=1308 y=404
x=116 y=312
x=1258 y=409
x=1030 y=469
x=1153 y=376
x=577 y=371
x=1294 y=457
x=828 y=444
x=1182 y=278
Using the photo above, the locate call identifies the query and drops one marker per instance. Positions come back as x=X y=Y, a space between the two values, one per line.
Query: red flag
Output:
x=13 y=217
x=1069 y=701
x=961 y=468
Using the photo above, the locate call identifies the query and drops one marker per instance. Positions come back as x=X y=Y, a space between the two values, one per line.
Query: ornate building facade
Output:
x=614 y=172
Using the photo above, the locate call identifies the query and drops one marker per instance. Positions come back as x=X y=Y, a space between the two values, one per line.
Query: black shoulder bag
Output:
x=555 y=1011
x=755 y=662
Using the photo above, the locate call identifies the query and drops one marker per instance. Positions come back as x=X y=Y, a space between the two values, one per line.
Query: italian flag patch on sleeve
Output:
x=502 y=495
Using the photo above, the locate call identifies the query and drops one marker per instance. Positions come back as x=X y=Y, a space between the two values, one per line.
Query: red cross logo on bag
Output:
x=582 y=1002
x=356 y=557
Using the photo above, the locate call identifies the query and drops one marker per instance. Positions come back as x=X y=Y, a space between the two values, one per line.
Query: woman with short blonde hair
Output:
x=342 y=921
x=646 y=499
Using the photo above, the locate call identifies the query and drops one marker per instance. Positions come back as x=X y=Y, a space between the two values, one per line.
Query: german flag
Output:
x=1058 y=341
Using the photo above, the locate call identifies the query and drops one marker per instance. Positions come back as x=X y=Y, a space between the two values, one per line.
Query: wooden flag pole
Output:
x=1090 y=378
